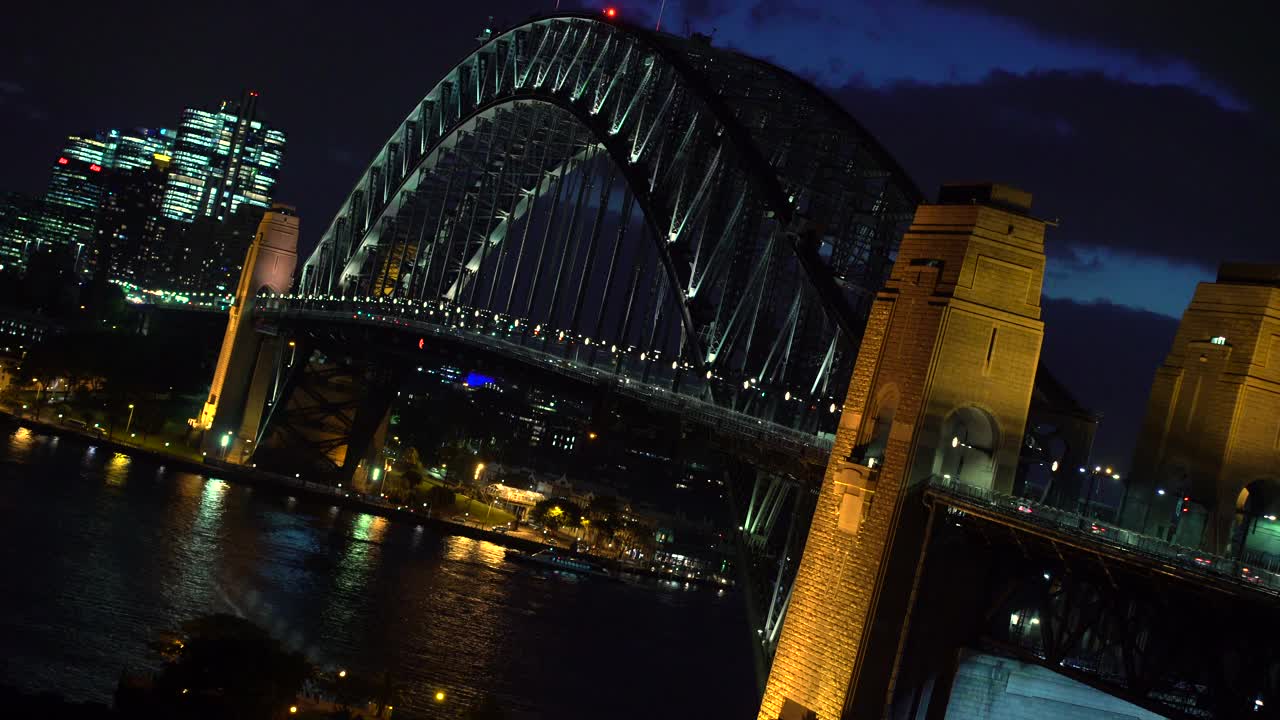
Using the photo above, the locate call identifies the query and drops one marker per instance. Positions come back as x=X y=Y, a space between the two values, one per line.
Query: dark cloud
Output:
x=1107 y=355
x=764 y=12
x=1233 y=44
x=1156 y=170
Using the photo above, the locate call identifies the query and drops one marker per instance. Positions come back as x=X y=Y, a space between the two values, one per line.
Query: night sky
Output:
x=1148 y=127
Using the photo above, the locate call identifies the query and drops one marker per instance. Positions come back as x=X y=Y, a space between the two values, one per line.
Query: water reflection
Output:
x=94 y=571
x=117 y=469
x=464 y=548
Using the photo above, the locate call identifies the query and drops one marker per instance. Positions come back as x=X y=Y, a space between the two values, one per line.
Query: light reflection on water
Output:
x=101 y=553
x=117 y=469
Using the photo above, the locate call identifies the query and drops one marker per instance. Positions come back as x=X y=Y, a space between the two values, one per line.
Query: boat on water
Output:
x=551 y=559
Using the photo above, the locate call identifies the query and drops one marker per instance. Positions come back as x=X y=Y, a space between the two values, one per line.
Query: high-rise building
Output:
x=222 y=159
x=79 y=184
x=130 y=230
x=146 y=205
x=213 y=251
x=19 y=221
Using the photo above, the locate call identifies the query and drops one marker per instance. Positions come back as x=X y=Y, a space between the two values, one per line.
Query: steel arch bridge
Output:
x=672 y=214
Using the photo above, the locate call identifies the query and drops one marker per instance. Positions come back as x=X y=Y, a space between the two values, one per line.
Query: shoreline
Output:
x=287 y=486
x=277 y=483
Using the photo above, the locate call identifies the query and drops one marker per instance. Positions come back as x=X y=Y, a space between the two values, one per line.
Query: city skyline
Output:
x=911 y=359
x=1122 y=265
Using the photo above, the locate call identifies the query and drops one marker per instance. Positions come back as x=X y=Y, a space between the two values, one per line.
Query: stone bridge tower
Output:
x=1206 y=470
x=941 y=388
x=268 y=265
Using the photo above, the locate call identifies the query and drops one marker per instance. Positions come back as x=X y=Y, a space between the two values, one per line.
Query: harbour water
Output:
x=101 y=552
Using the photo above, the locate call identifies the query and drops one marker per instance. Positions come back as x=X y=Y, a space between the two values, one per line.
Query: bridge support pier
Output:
x=268 y=267
x=330 y=416
x=941 y=387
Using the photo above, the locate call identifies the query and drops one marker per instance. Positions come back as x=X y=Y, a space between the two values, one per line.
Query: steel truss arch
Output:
x=772 y=215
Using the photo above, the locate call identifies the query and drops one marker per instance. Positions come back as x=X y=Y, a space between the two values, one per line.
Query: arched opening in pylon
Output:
x=1256 y=530
x=877 y=436
x=967 y=446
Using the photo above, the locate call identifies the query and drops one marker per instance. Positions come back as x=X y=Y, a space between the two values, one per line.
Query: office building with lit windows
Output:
x=19 y=223
x=87 y=171
x=132 y=233
x=145 y=206
x=222 y=159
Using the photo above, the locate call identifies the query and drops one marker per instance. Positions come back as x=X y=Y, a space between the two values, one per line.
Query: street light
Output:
x=130 y=420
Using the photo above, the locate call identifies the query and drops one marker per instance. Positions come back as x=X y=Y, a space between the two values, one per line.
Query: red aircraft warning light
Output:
x=611 y=12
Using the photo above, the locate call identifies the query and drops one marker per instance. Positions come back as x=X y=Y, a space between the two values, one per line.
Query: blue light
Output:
x=477 y=380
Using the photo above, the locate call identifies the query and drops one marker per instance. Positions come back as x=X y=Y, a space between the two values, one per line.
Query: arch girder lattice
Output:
x=639 y=191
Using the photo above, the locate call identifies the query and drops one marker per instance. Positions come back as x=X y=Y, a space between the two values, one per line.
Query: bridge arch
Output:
x=768 y=216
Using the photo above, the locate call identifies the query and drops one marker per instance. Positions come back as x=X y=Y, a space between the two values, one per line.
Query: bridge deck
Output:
x=501 y=339
x=1094 y=536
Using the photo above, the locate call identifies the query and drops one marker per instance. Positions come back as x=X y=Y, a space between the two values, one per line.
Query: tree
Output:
x=222 y=666
x=554 y=513
x=409 y=459
x=603 y=514
x=440 y=498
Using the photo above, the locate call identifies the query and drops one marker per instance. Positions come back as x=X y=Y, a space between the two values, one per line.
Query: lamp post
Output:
x=1098 y=471
x=129 y=423
x=39 y=388
x=957 y=443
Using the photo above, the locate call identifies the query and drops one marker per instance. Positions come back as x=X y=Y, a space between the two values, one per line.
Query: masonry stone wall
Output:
x=1212 y=425
x=962 y=272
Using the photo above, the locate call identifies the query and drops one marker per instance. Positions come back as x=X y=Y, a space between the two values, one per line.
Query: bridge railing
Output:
x=815 y=447
x=1092 y=530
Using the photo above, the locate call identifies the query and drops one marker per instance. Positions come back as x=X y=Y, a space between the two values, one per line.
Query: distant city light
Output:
x=611 y=12
x=477 y=380
x=62 y=161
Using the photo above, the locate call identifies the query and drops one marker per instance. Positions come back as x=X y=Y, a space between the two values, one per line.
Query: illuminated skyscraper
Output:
x=131 y=236
x=19 y=221
x=222 y=160
x=79 y=184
